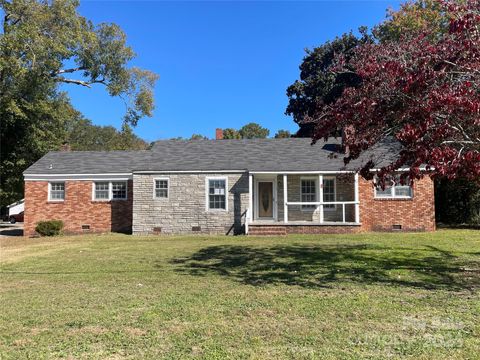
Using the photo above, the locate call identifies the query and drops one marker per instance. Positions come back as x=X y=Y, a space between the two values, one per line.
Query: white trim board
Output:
x=301 y=172
x=207 y=189
x=155 y=188
x=65 y=177
x=166 y=172
x=273 y=180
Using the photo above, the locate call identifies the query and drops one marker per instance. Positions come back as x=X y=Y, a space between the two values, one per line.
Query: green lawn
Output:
x=300 y=297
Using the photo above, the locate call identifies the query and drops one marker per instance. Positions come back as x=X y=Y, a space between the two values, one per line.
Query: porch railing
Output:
x=321 y=204
x=248 y=219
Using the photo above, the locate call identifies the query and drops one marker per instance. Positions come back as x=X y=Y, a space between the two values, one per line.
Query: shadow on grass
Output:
x=323 y=265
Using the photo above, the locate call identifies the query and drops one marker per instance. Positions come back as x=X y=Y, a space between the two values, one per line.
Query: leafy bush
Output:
x=49 y=228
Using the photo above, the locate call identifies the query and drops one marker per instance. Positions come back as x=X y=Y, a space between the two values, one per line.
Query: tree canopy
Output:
x=248 y=131
x=230 y=133
x=44 y=44
x=318 y=84
x=421 y=87
x=83 y=135
x=282 y=134
x=253 y=131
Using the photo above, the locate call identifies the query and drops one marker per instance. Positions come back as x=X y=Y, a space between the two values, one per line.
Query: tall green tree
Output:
x=44 y=44
x=283 y=134
x=412 y=17
x=230 y=133
x=253 y=131
x=83 y=135
x=198 y=137
x=319 y=85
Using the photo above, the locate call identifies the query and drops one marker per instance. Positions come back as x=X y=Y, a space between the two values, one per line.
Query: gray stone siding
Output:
x=184 y=211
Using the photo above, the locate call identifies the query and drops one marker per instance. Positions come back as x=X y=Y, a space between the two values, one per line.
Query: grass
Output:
x=372 y=296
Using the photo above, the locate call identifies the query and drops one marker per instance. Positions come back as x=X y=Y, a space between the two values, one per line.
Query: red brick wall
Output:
x=77 y=209
x=416 y=214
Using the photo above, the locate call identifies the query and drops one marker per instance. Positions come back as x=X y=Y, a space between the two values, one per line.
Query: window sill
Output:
x=108 y=200
x=55 y=201
x=393 y=199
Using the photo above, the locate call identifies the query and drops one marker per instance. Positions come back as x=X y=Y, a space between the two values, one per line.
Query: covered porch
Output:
x=302 y=201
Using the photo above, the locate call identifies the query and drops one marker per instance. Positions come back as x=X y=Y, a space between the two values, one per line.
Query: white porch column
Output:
x=357 y=205
x=250 y=197
x=320 y=196
x=285 y=198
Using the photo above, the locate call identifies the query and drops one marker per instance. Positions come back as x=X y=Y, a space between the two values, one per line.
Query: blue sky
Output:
x=221 y=64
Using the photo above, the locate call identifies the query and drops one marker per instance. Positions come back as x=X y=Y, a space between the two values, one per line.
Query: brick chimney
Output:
x=218 y=134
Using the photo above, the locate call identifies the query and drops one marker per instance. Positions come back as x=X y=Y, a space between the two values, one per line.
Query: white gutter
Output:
x=63 y=177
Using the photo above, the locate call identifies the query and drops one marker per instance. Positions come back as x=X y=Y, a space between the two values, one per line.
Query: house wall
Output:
x=77 y=209
x=185 y=208
x=415 y=214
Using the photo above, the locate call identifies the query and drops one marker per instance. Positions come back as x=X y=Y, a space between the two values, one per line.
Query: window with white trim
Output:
x=308 y=193
x=119 y=190
x=102 y=190
x=57 y=191
x=217 y=194
x=395 y=190
x=161 y=188
x=329 y=193
x=109 y=190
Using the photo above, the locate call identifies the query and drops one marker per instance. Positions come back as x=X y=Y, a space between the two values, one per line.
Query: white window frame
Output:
x=110 y=190
x=394 y=195
x=50 y=191
x=334 y=206
x=207 y=197
x=309 y=208
x=155 y=188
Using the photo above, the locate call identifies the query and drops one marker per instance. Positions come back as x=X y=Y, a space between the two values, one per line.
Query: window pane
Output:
x=119 y=190
x=216 y=194
x=57 y=191
x=387 y=192
x=329 y=192
x=101 y=190
x=161 y=188
x=404 y=191
x=309 y=193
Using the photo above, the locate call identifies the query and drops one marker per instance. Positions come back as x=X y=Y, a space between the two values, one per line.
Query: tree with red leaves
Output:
x=422 y=89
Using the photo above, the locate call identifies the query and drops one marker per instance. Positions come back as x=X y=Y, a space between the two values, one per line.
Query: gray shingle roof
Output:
x=293 y=154
x=87 y=162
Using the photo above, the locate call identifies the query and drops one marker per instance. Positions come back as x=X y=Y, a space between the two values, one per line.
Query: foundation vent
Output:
x=396 y=227
x=196 y=228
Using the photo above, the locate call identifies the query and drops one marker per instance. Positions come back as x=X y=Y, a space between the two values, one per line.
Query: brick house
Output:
x=257 y=186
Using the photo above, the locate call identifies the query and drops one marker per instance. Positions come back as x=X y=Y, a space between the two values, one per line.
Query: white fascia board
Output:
x=189 y=171
x=421 y=168
x=303 y=172
x=63 y=177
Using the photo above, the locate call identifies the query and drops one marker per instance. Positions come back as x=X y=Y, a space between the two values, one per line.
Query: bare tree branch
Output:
x=80 y=82
x=65 y=71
